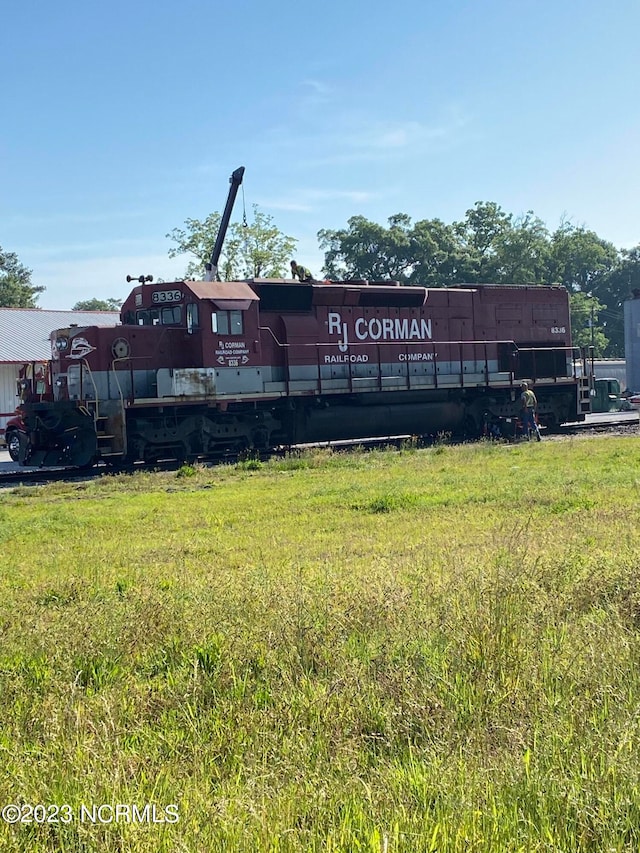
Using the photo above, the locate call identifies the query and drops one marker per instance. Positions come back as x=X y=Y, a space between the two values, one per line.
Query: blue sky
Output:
x=122 y=119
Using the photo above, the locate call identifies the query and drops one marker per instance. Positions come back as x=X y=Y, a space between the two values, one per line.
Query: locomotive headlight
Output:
x=62 y=344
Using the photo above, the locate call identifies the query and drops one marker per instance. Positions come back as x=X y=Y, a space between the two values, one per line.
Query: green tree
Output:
x=585 y=263
x=440 y=257
x=255 y=250
x=579 y=258
x=16 y=289
x=367 y=250
x=480 y=234
x=522 y=251
x=613 y=289
x=492 y=246
x=586 y=329
x=488 y=246
x=499 y=248
x=98 y=305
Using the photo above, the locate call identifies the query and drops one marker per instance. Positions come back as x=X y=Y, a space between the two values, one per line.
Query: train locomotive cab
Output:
x=147 y=388
x=203 y=327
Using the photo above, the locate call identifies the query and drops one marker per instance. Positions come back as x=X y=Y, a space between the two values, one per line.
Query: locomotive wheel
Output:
x=13 y=444
x=551 y=424
x=82 y=448
x=470 y=427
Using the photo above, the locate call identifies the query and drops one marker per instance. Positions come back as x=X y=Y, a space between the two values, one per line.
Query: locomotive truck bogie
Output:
x=189 y=433
x=201 y=369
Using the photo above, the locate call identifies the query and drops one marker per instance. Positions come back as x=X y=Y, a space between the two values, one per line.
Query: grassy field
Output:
x=425 y=650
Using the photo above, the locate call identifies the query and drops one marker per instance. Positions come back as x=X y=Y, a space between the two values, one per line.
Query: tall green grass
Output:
x=424 y=650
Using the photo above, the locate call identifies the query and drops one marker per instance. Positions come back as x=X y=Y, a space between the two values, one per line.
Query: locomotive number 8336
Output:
x=203 y=368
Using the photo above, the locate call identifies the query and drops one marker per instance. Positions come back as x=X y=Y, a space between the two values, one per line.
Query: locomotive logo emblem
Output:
x=232 y=353
x=400 y=330
x=80 y=348
x=403 y=330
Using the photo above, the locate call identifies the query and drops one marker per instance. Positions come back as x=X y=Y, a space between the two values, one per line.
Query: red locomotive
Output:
x=203 y=368
x=199 y=369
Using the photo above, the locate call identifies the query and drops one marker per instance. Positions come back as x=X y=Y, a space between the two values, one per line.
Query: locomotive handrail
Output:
x=513 y=373
x=121 y=395
x=394 y=343
x=273 y=335
x=285 y=348
x=129 y=358
x=95 y=387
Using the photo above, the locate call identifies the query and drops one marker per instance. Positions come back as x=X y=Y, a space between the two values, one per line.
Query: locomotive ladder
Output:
x=585 y=381
x=584 y=395
x=104 y=438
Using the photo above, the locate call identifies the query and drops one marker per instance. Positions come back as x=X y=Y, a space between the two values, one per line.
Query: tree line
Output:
x=488 y=246
x=491 y=246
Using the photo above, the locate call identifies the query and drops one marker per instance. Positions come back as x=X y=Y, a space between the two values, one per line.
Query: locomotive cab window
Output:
x=227 y=322
x=192 y=317
x=157 y=316
x=171 y=316
x=148 y=317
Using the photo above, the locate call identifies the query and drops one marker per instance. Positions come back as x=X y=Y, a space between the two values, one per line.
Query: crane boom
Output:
x=212 y=267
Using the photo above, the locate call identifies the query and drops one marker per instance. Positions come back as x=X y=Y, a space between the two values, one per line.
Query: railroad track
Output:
x=12 y=476
x=41 y=476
